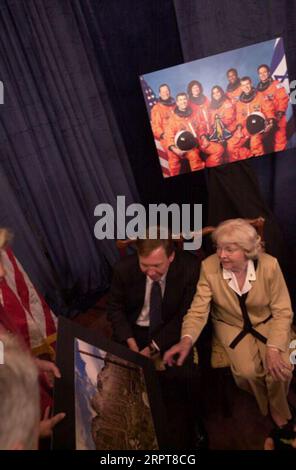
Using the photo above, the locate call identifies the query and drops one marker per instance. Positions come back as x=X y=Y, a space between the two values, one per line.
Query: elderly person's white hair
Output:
x=5 y=237
x=241 y=233
x=19 y=392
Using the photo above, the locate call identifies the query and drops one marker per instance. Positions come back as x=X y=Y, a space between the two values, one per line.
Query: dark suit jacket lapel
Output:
x=138 y=287
x=171 y=285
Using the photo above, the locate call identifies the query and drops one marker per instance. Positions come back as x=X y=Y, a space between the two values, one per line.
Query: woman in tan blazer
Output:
x=251 y=312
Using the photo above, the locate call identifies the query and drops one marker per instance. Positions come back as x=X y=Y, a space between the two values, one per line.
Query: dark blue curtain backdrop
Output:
x=134 y=37
x=60 y=149
x=74 y=123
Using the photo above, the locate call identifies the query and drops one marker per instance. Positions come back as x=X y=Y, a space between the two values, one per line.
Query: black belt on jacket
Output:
x=248 y=327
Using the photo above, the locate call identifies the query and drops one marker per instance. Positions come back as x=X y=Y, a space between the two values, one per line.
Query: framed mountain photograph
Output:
x=110 y=395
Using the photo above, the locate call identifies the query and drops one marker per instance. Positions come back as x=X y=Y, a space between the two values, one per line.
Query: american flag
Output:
x=23 y=311
x=150 y=101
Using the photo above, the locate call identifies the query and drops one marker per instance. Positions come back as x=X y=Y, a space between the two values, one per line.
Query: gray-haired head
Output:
x=19 y=392
x=240 y=232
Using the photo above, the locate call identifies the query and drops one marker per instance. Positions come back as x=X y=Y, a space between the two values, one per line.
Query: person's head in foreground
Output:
x=19 y=392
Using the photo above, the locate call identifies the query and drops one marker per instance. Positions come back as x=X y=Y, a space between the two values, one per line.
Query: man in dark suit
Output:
x=150 y=293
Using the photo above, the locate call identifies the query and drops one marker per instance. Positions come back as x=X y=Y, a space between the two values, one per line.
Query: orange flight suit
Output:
x=160 y=115
x=202 y=111
x=214 y=152
x=235 y=146
x=226 y=113
x=234 y=94
x=277 y=94
x=176 y=123
x=244 y=109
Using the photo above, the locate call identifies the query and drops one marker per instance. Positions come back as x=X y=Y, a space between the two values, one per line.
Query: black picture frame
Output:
x=64 y=434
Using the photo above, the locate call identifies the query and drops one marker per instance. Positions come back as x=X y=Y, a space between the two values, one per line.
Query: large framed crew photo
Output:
x=221 y=109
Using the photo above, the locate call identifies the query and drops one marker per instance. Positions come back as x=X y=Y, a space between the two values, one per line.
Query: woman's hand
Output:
x=276 y=366
x=180 y=349
x=146 y=352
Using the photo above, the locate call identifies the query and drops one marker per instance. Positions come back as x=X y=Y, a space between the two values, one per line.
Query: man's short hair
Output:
x=181 y=94
x=19 y=391
x=232 y=70
x=263 y=65
x=147 y=245
x=246 y=78
x=162 y=85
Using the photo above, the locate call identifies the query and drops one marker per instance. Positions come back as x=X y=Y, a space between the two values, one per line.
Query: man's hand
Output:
x=49 y=369
x=177 y=151
x=47 y=424
x=239 y=131
x=204 y=141
x=276 y=366
x=279 y=114
x=269 y=124
x=146 y=352
x=181 y=349
x=131 y=342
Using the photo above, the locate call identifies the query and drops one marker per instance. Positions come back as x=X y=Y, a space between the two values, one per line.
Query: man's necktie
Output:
x=155 y=308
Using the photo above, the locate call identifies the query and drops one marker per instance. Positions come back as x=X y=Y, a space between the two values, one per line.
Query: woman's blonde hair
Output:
x=5 y=237
x=241 y=233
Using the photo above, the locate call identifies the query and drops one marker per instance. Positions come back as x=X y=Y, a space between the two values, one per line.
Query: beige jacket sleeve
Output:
x=197 y=316
x=281 y=310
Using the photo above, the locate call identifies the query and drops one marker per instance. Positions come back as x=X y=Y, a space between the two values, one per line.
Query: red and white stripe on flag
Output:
x=24 y=309
x=163 y=159
x=150 y=101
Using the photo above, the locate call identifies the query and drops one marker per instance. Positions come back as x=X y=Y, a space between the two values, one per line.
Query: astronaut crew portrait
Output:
x=246 y=117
